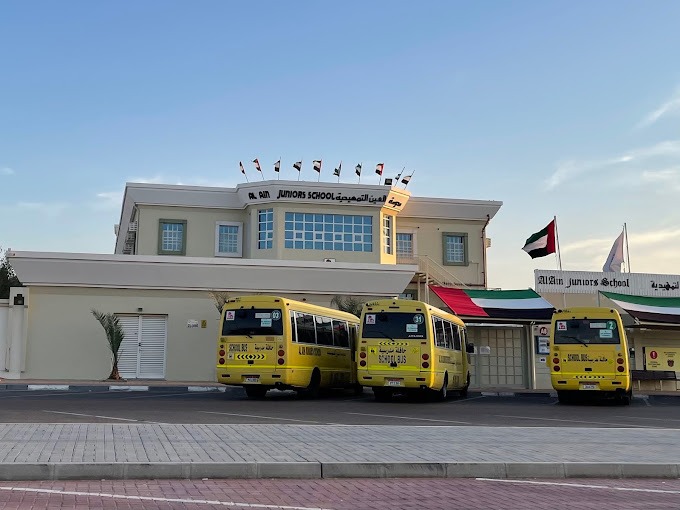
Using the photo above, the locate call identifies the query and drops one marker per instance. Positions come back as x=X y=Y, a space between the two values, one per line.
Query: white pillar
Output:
x=4 y=335
x=16 y=333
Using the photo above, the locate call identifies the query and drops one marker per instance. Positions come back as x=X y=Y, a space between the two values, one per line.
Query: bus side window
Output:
x=448 y=337
x=340 y=334
x=440 y=340
x=293 y=329
x=456 y=337
x=324 y=331
x=305 y=328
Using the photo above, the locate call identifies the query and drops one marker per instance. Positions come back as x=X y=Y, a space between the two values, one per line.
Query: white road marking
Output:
x=266 y=417
x=462 y=401
x=580 y=485
x=624 y=425
x=163 y=500
x=411 y=418
x=97 y=416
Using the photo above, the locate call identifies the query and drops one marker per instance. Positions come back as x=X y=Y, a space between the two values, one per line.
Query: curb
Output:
x=318 y=470
x=108 y=388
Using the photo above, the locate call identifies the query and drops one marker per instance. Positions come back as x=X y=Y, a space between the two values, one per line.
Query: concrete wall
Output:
x=4 y=333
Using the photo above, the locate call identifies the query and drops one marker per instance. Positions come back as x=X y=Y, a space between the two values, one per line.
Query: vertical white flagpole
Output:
x=625 y=234
x=559 y=259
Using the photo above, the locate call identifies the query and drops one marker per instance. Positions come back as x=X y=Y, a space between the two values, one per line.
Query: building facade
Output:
x=175 y=245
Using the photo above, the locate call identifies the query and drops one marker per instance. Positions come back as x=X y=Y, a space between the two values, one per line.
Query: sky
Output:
x=557 y=109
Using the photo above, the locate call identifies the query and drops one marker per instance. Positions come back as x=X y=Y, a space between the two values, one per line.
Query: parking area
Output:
x=233 y=407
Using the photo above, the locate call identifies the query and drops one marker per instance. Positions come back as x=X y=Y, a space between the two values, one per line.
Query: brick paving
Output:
x=113 y=443
x=347 y=494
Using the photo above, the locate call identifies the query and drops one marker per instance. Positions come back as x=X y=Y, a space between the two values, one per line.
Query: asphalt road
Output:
x=233 y=406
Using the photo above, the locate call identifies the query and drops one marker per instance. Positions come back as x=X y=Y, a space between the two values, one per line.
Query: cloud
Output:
x=670 y=107
x=6 y=171
x=571 y=169
x=108 y=200
x=45 y=208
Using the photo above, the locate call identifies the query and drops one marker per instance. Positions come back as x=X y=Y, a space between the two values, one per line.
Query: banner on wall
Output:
x=662 y=358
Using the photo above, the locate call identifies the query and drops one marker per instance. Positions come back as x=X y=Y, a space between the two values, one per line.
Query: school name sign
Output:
x=590 y=282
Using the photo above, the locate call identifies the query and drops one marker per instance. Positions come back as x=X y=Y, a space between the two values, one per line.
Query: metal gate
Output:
x=142 y=353
x=500 y=359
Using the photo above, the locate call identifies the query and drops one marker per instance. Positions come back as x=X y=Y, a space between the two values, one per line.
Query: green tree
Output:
x=348 y=304
x=114 y=336
x=8 y=277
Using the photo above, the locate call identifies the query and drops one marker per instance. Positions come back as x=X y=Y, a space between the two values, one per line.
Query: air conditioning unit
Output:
x=329 y=260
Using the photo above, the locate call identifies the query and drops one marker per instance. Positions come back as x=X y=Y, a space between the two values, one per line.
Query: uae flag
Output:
x=257 y=165
x=648 y=309
x=406 y=179
x=243 y=170
x=495 y=304
x=277 y=166
x=358 y=169
x=379 y=168
x=297 y=165
x=541 y=243
x=317 y=165
x=337 y=171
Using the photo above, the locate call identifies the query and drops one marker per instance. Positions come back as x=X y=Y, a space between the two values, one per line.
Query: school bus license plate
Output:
x=251 y=379
x=590 y=387
x=395 y=382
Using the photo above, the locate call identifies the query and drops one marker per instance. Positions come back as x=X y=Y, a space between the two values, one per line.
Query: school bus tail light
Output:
x=362 y=355
x=620 y=362
x=281 y=353
x=221 y=361
x=362 y=363
x=620 y=368
x=222 y=353
x=280 y=361
x=426 y=364
x=556 y=368
x=426 y=356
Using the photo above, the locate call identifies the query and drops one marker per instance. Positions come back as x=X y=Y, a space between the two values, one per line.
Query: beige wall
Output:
x=429 y=241
x=66 y=342
x=201 y=225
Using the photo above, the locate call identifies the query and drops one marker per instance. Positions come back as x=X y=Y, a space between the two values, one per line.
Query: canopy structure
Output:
x=524 y=305
x=649 y=309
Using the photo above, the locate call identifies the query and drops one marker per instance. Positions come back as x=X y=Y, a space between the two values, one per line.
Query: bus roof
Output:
x=583 y=311
x=395 y=305
x=259 y=299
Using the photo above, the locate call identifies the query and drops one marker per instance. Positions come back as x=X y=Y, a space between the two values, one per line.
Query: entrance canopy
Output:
x=495 y=304
x=649 y=309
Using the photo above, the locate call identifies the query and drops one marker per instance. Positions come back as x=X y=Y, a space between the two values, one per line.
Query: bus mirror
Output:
x=631 y=352
x=470 y=348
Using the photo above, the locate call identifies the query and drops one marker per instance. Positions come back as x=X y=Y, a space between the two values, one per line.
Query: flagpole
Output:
x=625 y=234
x=361 y=167
x=559 y=258
x=278 y=174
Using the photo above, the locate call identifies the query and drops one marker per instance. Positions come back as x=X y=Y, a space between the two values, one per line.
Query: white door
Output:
x=142 y=352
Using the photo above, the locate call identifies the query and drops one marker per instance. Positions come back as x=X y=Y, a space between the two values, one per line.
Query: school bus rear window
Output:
x=586 y=331
x=394 y=325
x=252 y=322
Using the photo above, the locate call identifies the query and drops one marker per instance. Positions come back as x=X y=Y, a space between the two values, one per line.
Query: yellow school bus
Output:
x=268 y=342
x=410 y=346
x=589 y=354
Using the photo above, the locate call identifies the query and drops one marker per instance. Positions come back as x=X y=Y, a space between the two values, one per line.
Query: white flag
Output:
x=615 y=258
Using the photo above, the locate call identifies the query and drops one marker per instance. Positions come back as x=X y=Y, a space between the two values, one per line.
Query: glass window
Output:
x=228 y=239
x=439 y=338
x=340 y=333
x=335 y=232
x=404 y=245
x=324 y=331
x=455 y=249
x=394 y=325
x=265 y=229
x=172 y=237
x=387 y=233
x=448 y=335
x=456 y=337
x=304 y=323
x=586 y=331
x=252 y=322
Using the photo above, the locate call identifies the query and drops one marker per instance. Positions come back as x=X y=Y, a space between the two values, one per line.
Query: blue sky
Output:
x=555 y=108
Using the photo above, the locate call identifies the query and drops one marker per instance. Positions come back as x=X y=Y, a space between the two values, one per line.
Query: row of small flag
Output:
x=336 y=173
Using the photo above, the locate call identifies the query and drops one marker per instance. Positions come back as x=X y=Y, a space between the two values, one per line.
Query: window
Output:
x=324 y=331
x=387 y=234
x=265 y=229
x=228 y=241
x=340 y=333
x=328 y=232
x=404 y=245
x=305 y=328
x=439 y=338
x=172 y=237
x=456 y=337
x=455 y=249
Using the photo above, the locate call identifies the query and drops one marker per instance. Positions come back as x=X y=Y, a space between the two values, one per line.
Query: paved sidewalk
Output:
x=122 y=451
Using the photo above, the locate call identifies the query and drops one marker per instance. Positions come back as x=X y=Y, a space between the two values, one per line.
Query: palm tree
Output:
x=114 y=335
x=348 y=304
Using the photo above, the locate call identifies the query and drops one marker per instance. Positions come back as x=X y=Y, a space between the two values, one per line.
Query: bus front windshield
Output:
x=586 y=331
x=394 y=325
x=253 y=322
